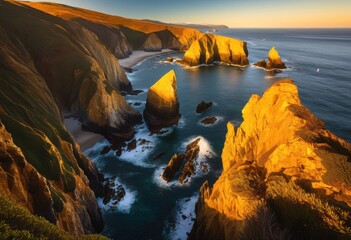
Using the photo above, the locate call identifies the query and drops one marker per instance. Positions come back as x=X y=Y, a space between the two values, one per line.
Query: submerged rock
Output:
x=152 y=43
x=212 y=48
x=173 y=166
x=283 y=172
x=203 y=106
x=162 y=106
x=209 y=120
x=169 y=59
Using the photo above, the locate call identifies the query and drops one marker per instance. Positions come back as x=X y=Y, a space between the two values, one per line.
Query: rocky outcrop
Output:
x=113 y=38
x=274 y=61
x=203 y=106
x=173 y=166
x=152 y=43
x=284 y=175
x=191 y=155
x=162 y=106
x=262 y=64
x=212 y=48
x=209 y=120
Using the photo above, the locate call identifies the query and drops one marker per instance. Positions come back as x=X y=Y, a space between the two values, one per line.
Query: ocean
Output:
x=318 y=61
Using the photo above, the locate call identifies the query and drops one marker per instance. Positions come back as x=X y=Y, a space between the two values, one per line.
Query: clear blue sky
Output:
x=243 y=13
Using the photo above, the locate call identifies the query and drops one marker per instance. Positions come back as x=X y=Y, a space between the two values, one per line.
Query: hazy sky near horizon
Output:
x=233 y=13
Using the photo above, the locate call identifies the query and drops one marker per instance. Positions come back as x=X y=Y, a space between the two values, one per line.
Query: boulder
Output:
x=203 y=106
x=209 y=120
x=212 y=48
x=162 y=106
x=262 y=63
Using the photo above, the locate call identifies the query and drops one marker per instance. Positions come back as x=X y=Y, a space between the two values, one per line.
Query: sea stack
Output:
x=212 y=48
x=274 y=61
x=162 y=106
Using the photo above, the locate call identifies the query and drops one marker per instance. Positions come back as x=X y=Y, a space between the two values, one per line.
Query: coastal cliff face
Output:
x=49 y=65
x=113 y=38
x=162 y=106
x=212 y=48
x=284 y=176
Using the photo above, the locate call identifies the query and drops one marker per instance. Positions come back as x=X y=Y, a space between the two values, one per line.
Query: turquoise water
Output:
x=153 y=209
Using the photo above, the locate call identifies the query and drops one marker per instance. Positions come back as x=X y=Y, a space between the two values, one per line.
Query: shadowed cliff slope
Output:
x=284 y=176
x=49 y=65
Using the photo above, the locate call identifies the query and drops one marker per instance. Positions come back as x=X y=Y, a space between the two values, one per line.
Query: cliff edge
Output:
x=285 y=176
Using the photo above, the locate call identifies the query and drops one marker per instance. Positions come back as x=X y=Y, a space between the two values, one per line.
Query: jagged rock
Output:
x=169 y=59
x=203 y=106
x=173 y=166
x=105 y=150
x=162 y=106
x=152 y=43
x=212 y=48
x=282 y=171
x=262 y=63
x=191 y=154
x=274 y=61
x=209 y=120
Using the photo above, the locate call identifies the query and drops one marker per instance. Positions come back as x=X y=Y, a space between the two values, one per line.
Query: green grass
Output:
x=17 y=223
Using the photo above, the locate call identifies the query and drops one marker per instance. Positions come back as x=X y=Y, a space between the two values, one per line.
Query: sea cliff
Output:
x=284 y=175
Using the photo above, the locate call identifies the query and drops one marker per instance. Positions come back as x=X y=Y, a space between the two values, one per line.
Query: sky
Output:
x=233 y=13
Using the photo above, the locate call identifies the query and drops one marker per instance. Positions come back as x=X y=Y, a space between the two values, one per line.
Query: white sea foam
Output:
x=125 y=204
x=139 y=155
x=206 y=150
x=184 y=219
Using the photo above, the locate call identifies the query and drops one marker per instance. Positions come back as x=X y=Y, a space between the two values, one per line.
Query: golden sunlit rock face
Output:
x=162 y=106
x=284 y=175
x=274 y=61
x=212 y=48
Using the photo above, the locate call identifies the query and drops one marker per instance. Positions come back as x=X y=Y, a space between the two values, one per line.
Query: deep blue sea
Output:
x=319 y=62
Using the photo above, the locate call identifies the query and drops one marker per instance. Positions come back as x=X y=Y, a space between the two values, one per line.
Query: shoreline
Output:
x=138 y=56
x=84 y=139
